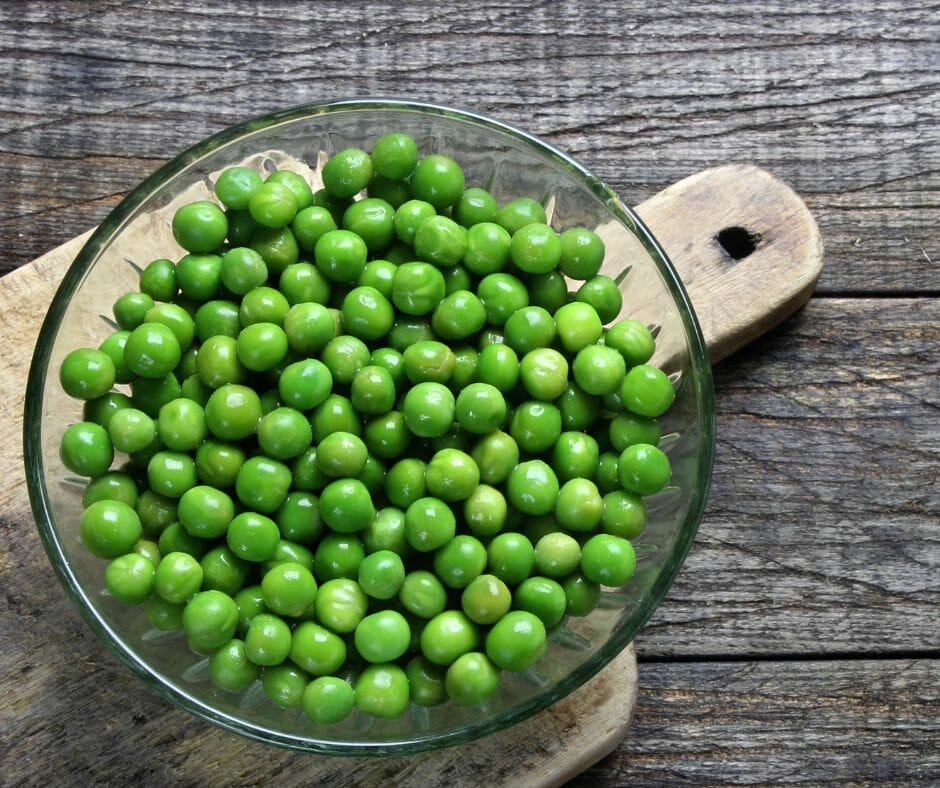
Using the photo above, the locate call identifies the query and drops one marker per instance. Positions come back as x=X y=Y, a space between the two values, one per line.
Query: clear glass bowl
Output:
x=511 y=163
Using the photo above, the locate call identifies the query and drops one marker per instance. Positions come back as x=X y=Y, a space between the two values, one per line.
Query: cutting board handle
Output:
x=745 y=245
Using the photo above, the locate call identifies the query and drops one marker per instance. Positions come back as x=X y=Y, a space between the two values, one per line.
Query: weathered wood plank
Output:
x=856 y=722
x=821 y=532
x=841 y=106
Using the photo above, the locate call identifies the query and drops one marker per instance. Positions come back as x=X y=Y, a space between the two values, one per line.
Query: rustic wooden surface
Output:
x=800 y=642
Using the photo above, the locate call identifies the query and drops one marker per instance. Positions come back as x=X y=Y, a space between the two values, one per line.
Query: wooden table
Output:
x=801 y=640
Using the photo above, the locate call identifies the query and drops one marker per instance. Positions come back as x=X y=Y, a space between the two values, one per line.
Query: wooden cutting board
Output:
x=749 y=253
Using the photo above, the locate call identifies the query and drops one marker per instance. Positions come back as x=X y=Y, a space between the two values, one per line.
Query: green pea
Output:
x=624 y=514
x=460 y=561
x=647 y=391
x=475 y=206
x=423 y=594
x=535 y=249
x=382 y=637
x=382 y=691
x=471 y=679
x=111 y=486
x=486 y=599
x=394 y=155
x=341 y=255
x=495 y=454
x=210 y=619
x=199 y=276
x=643 y=469
x=437 y=179
x=310 y=224
x=218 y=463
x=328 y=700
x=447 y=636
x=458 y=316
x=441 y=241
x=316 y=649
x=296 y=183
x=334 y=414
x=262 y=483
x=347 y=172
x=224 y=571
x=285 y=685
x=608 y=560
x=252 y=536
x=582 y=253
x=273 y=205
x=162 y=615
x=543 y=597
x=405 y=482
x=178 y=577
x=309 y=327
x=425 y=682
x=87 y=374
x=235 y=185
x=129 y=578
x=626 y=429
x=288 y=589
x=529 y=328
x=338 y=555
x=130 y=308
x=488 y=247
x=346 y=506
x=557 y=555
x=532 y=487
x=284 y=433
x=632 y=340
x=598 y=370
x=510 y=557
x=516 y=641
x=581 y=594
x=602 y=293
x=386 y=436
x=344 y=356
x=233 y=412
x=485 y=511
x=429 y=409
x=535 y=426
x=340 y=605
x=230 y=668
x=518 y=213
x=200 y=226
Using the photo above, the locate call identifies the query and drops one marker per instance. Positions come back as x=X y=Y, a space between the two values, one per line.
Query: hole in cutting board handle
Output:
x=738 y=242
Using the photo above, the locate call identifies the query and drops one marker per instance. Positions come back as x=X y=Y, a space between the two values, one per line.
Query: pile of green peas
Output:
x=376 y=450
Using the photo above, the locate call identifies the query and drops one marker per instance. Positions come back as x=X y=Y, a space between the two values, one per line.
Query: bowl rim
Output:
x=41 y=504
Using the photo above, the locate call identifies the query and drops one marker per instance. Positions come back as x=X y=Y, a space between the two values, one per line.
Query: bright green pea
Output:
x=579 y=505
x=310 y=224
x=217 y=463
x=130 y=308
x=582 y=595
x=422 y=594
x=429 y=409
x=486 y=599
x=288 y=589
x=111 y=486
x=367 y=314
x=262 y=483
x=529 y=328
x=152 y=350
x=171 y=473
x=386 y=436
x=608 y=560
x=334 y=414
x=499 y=367
x=296 y=183
x=205 y=511
x=200 y=226
x=210 y=619
x=429 y=524
x=233 y=412
x=627 y=429
x=557 y=555
x=346 y=506
x=535 y=426
x=273 y=205
x=437 y=179
x=284 y=433
x=113 y=347
x=417 y=288
x=341 y=255
x=217 y=362
x=532 y=487
x=340 y=605
x=488 y=247
x=472 y=679
x=87 y=374
x=535 y=249
x=518 y=213
x=344 y=356
x=604 y=295
x=495 y=454
x=230 y=668
x=252 y=536
x=516 y=641
x=382 y=636
x=338 y=555
x=425 y=682
x=458 y=316
x=647 y=391
x=316 y=649
x=129 y=578
x=405 y=482
x=162 y=615
x=475 y=206
x=235 y=185
x=328 y=700
x=178 y=577
x=199 y=276
x=624 y=514
x=598 y=370
x=643 y=469
x=224 y=571
x=181 y=425
x=460 y=561
x=543 y=597
x=441 y=241
x=448 y=635
x=394 y=155
x=347 y=172
x=632 y=340
x=382 y=691
x=242 y=269
x=285 y=684
x=309 y=327
x=372 y=219
x=582 y=253
x=131 y=430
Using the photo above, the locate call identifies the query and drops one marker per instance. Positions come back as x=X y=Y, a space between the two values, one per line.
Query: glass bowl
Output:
x=509 y=162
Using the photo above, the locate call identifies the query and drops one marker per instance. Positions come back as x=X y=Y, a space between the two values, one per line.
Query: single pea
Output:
x=171 y=473
x=379 y=274
x=394 y=155
x=230 y=668
x=626 y=429
x=578 y=326
x=386 y=533
x=218 y=463
x=218 y=364
x=346 y=506
x=335 y=414
x=447 y=636
x=328 y=700
x=604 y=295
x=111 y=486
x=152 y=350
x=579 y=505
x=451 y=475
x=425 y=682
x=409 y=216
x=316 y=649
x=297 y=183
x=543 y=597
x=485 y=511
x=372 y=219
x=548 y=290
x=381 y=574
x=472 y=679
x=344 y=356
x=557 y=555
x=242 y=269
x=367 y=314
x=341 y=255
x=205 y=511
x=215 y=318
x=347 y=172
x=382 y=637
x=285 y=684
x=87 y=374
x=486 y=599
x=223 y=570
x=310 y=224
x=273 y=205
x=458 y=316
x=178 y=577
x=544 y=373
x=309 y=327
x=582 y=595
x=199 y=276
x=298 y=519
x=417 y=288
x=210 y=619
x=529 y=328
x=437 y=179
x=582 y=253
x=429 y=409
x=162 y=615
x=501 y=295
x=575 y=454
x=175 y=318
x=235 y=185
x=441 y=241
x=340 y=605
x=156 y=512
x=499 y=367
x=181 y=424
x=598 y=370
x=129 y=578
x=429 y=524
x=284 y=433
x=200 y=226
x=268 y=640
x=647 y=391
x=488 y=247
x=386 y=436
x=532 y=487
x=307 y=476
x=518 y=213
x=405 y=482
x=643 y=469
x=535 y=426
x=624 y=514
x=262 y=483
x=466 y=361
x=289 y=589
x=535 y=249
x=131 y=430
x=475 y=206
x=516 y=641
x=290 y=552
x=510 y=557
x=480 y=408
x=632 y=340
x=429 y=360
x=608 y=560
x=460 y=561
x=423 y=594
x=233 y=412
x=252 y=536
x=338 y=555
x=130 y=308
x=261 y=346
x=382 y=691
x=607 y=477
x=277 y=247
x=495 y=454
